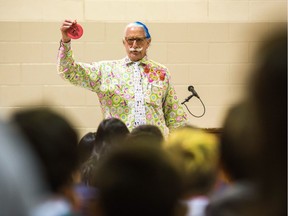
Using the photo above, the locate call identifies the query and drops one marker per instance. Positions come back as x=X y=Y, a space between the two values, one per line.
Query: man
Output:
x=134 y=89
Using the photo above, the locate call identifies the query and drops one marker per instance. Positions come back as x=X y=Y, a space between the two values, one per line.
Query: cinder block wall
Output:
x=205 y=43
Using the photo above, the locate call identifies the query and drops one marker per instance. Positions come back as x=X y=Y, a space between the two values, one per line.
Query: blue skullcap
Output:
x=145 y=29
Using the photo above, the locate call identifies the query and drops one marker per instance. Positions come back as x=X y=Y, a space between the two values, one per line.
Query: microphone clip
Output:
x=187 y=99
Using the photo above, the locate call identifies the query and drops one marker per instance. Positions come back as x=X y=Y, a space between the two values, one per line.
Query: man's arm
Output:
x=174 y=113
x=77 y=73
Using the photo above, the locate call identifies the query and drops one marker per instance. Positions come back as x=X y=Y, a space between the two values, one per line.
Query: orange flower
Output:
x=162 y=77
x=146 y=69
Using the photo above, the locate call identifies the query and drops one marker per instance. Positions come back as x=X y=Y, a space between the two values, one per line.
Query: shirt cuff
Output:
x=65 y=46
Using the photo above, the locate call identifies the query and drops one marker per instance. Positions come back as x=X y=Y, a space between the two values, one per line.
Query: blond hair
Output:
x=196 y=153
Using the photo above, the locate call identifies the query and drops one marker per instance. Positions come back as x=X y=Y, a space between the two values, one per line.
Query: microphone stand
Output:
x=187 y=99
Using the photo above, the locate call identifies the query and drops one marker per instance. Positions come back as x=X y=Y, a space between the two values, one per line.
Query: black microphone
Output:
x=187 y=99
x=191 y=89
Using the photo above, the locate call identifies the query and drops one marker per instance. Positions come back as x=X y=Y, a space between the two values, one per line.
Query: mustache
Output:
x=136 y=49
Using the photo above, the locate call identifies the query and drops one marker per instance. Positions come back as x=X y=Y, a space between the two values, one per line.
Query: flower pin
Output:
x=146 y=69
x=154 y=73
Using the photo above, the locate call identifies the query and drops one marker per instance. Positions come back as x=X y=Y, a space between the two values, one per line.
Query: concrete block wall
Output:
x=205 y=43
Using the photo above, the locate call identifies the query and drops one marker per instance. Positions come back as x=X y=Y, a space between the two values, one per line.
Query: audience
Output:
x=137 y=180
x=146 y=134
x=196 y=153
x=86 y=146
x=20 y=181
x=236 y=147
x=92 y=147
x=255 y=133
x=84 y=193
x=110 y=133
x=54 y=143
x=268 y=98
x=237 y=156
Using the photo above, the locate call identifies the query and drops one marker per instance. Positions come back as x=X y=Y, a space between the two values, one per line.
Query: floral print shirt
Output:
x=113 y=83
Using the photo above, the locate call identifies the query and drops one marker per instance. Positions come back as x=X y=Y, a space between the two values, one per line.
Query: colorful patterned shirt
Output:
x=113 y=83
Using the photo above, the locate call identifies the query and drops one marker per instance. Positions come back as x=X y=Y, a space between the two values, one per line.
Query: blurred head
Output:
x=86 y=146
x=268 y=99
x=21 y=183
x=110 y=133
x=146 y=134
x=136 y=40
x=237 y=144
x=137 y=180
x=196 y=154
x=53 y=141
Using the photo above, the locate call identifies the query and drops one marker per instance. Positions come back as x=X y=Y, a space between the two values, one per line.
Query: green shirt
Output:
x=112 y=81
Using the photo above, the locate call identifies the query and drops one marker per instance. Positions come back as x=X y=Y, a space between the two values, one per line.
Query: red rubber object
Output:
x=75 y=31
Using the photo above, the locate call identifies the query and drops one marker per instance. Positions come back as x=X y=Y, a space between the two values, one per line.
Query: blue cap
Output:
x=145 y=29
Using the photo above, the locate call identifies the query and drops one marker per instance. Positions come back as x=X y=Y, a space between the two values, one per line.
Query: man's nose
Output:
x=134 y=43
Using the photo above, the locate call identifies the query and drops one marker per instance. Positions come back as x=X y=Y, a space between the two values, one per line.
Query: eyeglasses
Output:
x=130 y=41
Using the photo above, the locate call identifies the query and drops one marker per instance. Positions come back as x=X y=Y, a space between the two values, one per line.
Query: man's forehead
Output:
x=135 y=31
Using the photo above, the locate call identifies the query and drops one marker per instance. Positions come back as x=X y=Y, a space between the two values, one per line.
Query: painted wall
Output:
x=205 y=43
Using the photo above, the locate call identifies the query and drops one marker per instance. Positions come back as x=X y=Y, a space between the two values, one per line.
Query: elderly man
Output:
x=134 y=89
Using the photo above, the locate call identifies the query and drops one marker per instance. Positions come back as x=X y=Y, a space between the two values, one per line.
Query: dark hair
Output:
x=54 y=142
x=86 y=146
x=268 y=97
x=237 y=148
x=146 y=134
x=110 y=132
x=268 y=91
x=137 y=180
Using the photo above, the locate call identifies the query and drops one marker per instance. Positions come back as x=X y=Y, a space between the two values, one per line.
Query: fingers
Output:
x=67 y=23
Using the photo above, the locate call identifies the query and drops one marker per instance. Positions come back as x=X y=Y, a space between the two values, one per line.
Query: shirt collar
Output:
x=144 y=60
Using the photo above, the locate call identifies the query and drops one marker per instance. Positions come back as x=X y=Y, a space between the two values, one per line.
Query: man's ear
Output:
x=123 y=41
x=149 y=41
